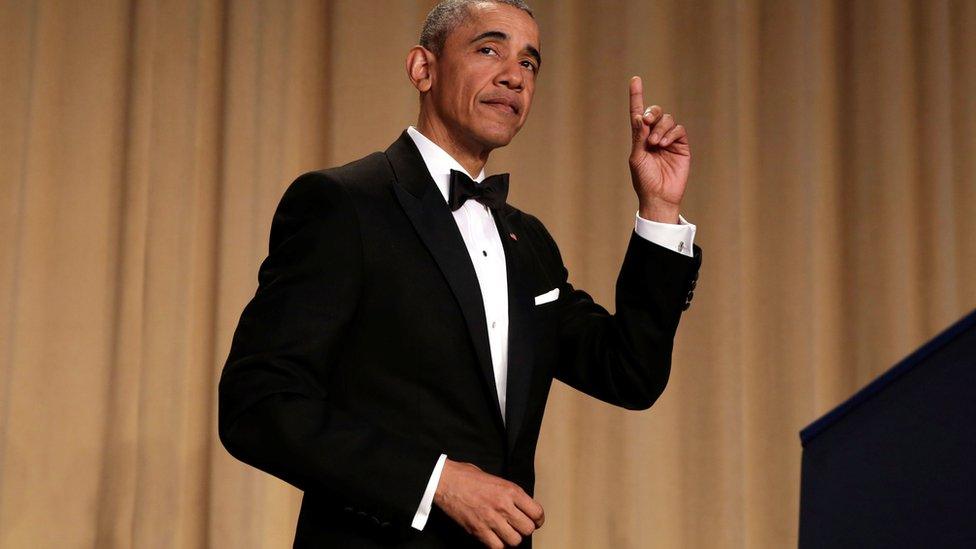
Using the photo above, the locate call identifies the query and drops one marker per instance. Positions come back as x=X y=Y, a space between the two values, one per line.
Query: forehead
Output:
x=492 y=16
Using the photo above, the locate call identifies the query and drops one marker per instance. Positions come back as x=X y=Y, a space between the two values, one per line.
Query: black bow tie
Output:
x=491 y=192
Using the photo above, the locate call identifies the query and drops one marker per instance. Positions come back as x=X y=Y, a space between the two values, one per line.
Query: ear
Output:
x=419 y=63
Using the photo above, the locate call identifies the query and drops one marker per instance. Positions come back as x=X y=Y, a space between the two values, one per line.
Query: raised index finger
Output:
x=636 y=96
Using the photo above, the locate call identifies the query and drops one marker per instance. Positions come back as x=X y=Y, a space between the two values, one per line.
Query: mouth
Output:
x=503 y=105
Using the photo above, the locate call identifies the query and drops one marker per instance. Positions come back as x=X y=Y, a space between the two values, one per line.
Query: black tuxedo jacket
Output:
x=364 y=353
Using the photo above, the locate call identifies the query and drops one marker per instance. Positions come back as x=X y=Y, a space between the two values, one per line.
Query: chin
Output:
x=497 y=137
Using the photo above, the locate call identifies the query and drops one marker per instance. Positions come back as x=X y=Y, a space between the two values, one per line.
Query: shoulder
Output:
x=328 y=197
x=338 y=184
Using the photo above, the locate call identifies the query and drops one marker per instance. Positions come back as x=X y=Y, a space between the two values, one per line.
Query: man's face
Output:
x=483 y=80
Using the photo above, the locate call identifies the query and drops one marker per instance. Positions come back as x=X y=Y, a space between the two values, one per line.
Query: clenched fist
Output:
x=660 y=158
x=498 y=512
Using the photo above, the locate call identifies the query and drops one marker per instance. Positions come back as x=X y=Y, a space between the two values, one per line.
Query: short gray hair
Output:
x=448 y=15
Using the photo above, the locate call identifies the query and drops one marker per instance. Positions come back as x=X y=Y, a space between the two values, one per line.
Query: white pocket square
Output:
x=551 y=295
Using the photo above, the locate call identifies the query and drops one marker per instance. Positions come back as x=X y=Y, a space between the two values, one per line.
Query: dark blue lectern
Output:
x=895 y=465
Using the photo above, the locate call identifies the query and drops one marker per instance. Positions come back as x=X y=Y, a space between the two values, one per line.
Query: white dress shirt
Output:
x=484 y=245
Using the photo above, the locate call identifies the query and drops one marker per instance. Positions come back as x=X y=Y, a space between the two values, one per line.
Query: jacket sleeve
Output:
x=274 y=407
x=625 y=358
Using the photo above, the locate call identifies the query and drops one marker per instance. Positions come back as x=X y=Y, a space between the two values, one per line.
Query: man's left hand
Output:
x=660 y=158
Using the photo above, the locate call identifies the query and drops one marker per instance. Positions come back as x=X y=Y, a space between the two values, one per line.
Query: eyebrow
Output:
x=499 y=35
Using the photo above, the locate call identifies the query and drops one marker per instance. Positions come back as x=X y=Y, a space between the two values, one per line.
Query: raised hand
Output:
x=497 y=512
x=660 y=158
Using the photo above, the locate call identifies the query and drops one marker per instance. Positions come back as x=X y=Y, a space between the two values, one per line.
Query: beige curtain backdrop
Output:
x=144 y=146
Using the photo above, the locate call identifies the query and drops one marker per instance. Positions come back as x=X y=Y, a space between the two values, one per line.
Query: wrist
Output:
x=659 y=211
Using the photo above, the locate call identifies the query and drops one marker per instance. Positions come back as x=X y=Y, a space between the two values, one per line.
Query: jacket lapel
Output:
x=520 y=303
x=434 y=223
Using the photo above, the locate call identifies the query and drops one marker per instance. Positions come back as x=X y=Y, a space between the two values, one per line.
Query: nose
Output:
x=511 y=75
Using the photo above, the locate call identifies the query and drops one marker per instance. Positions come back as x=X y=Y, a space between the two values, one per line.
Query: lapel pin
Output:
x=513 y=236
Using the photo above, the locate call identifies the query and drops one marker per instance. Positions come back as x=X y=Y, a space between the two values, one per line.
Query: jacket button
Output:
x=347 y=509
x=384 y=525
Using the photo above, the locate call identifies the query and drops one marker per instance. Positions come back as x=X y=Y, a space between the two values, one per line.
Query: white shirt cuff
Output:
x=679 y=236
x=420 y=519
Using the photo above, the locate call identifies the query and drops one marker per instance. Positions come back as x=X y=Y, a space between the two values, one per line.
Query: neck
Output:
x=470 y=155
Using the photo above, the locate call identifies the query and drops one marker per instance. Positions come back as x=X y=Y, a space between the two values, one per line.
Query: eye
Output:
x=526 y=63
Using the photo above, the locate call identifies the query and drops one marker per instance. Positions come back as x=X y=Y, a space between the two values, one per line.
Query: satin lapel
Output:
x=434 y=222
x=520 y=303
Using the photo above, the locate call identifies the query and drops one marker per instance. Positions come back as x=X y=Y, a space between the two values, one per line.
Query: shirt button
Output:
x=492 y=323
x=484 y=252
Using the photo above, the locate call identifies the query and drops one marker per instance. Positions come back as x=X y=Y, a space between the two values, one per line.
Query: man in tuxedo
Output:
x=395 y=361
